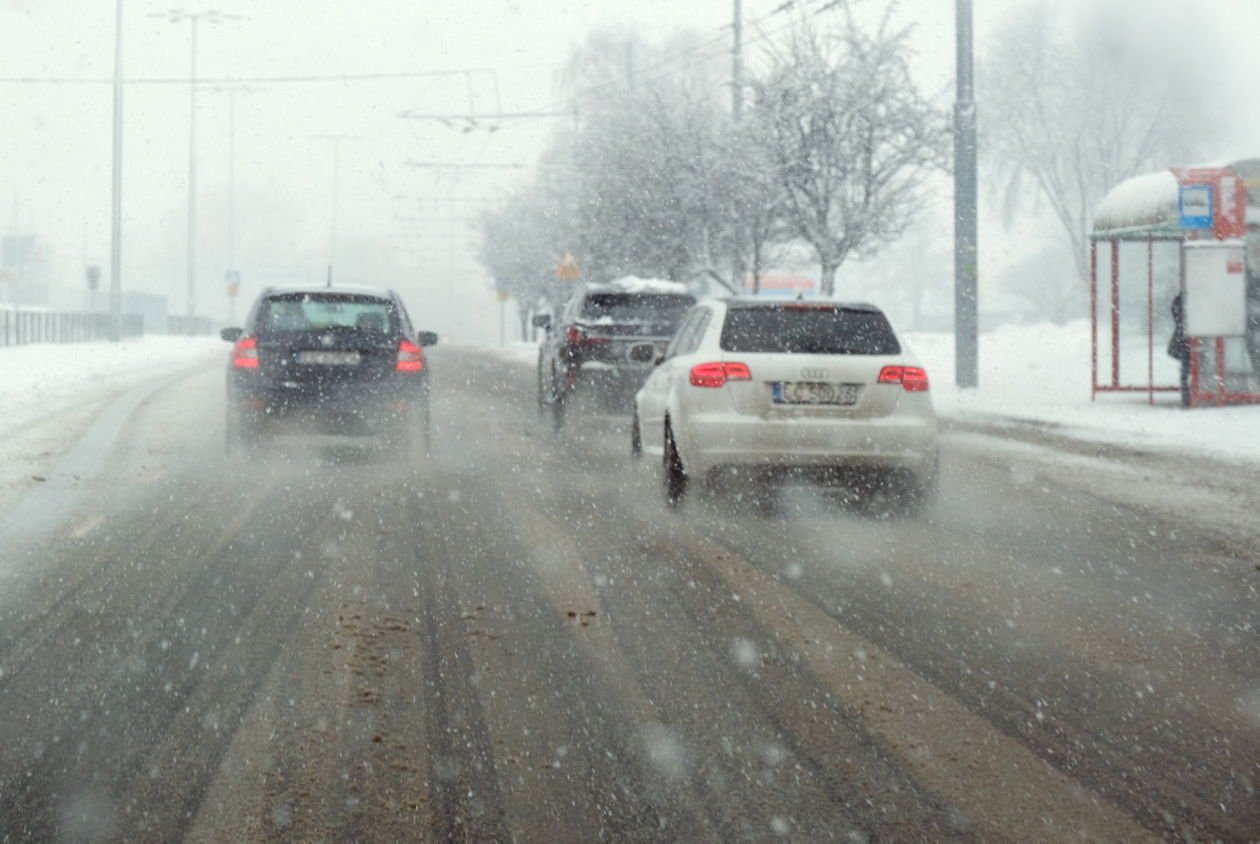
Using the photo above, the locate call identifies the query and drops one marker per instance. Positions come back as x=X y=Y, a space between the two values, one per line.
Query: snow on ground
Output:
x=1039 y=375
x=50 y=392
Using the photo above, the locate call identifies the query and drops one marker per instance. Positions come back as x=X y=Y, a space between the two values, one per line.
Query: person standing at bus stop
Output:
x=1179 y=346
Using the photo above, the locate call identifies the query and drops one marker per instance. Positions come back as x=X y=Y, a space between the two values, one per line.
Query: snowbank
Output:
x=1039 y=375
x=49 y=393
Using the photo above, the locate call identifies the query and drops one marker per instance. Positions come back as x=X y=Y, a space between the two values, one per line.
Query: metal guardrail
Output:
x=19 y=328
x=189 y=326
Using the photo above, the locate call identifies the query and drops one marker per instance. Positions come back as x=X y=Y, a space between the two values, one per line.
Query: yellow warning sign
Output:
x=568 y=269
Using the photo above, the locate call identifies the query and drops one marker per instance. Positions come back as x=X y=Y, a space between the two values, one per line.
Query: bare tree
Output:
x=1078 y=104
x=758 y=215
x=852 y=139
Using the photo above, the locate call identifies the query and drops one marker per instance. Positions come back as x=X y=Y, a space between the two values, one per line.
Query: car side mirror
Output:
x=427 y=338
x=542 y=321
x=660 y=360
x=231 y=334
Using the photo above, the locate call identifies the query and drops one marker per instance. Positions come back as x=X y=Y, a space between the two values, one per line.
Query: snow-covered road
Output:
x=514 y=635
x=50 y=393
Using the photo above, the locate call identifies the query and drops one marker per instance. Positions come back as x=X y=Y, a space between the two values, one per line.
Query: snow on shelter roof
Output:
x=634 y=284
x=1142 y=205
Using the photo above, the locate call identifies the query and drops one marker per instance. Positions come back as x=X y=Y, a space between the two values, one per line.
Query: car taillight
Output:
x=717 y=374
x=577 y=336
x=410 y=357
x=913 y=379
x=245 y=353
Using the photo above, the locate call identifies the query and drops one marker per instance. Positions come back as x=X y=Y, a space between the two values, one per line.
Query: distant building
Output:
x=785 y=285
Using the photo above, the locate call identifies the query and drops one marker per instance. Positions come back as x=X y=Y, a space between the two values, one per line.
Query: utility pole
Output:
x=737 y=112
x=737 y=64
x=232 y=273
x=192 y=18
x=192 y=173
x=336 y=189
x=231 y=221
x=966 y=251
x=115 y=205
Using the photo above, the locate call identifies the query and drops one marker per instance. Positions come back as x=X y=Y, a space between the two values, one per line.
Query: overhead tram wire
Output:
x=691 y=57
x=242 y=80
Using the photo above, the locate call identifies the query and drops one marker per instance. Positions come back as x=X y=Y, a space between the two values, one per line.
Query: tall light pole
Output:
x=232 y=273
x=738 y=270
x=336 y=188
x=966 y=251
x=115 y=205
x=193 y=18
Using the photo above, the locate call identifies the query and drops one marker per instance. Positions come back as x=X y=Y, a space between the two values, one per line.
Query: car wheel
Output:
x=675 y=476
x=636 y=438
x=425 y=427
x=915 y=493
x=542 y=390
x=559 y=400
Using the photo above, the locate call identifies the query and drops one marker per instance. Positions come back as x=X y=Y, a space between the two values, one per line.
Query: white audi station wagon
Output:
x=813 y=389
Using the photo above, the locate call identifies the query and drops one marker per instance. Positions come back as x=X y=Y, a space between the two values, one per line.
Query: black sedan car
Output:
x=337 y=360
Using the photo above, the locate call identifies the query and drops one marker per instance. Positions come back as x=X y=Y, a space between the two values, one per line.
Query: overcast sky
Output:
x=55 y=147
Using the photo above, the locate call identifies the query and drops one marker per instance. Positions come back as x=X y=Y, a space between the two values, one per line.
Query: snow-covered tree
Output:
x=1072 y=103
x=852 y=139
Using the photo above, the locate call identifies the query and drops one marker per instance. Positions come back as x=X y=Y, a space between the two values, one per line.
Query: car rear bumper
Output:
x=724 y=440
x=345 y=407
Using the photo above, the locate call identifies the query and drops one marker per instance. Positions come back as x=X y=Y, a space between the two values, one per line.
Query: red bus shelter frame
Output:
x=1228 y=222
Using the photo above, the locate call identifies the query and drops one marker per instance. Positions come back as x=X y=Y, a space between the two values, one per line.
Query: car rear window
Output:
x=296 y=312
x=629 y=307
x=808 y=329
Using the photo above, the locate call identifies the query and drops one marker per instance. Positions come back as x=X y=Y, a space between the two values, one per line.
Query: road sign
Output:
x=93 y=277
x=502 y=296
x=233 y=279
x=1195 y=206
x=568 y=269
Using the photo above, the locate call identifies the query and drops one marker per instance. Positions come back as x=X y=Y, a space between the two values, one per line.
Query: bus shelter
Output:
x=1177 y=306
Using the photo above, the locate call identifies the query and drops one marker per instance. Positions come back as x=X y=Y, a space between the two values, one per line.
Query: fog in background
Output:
x=409 y=188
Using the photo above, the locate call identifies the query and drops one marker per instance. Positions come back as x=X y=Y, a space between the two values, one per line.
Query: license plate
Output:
x=318 y=357
x=815 y=392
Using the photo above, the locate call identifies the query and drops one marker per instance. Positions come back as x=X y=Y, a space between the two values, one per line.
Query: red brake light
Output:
x=410 y=357
x=245 y=353
x=717 y=374
x=913 y=379
x=576 y=336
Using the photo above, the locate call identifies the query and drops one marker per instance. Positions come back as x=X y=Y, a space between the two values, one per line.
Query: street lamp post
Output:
x=193 y=18
x=336 y=187
x=966 y=251
x=115 y=203
x=231 y=276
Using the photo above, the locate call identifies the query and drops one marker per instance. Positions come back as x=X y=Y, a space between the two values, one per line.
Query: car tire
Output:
x=675 y=485
x=559 y=400
x=636 y=438
x=425 y=427
x=542 y=390
x=917 y=492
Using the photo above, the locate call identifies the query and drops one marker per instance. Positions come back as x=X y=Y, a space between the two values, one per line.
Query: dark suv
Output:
x=605 y=340
x=333 y=360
